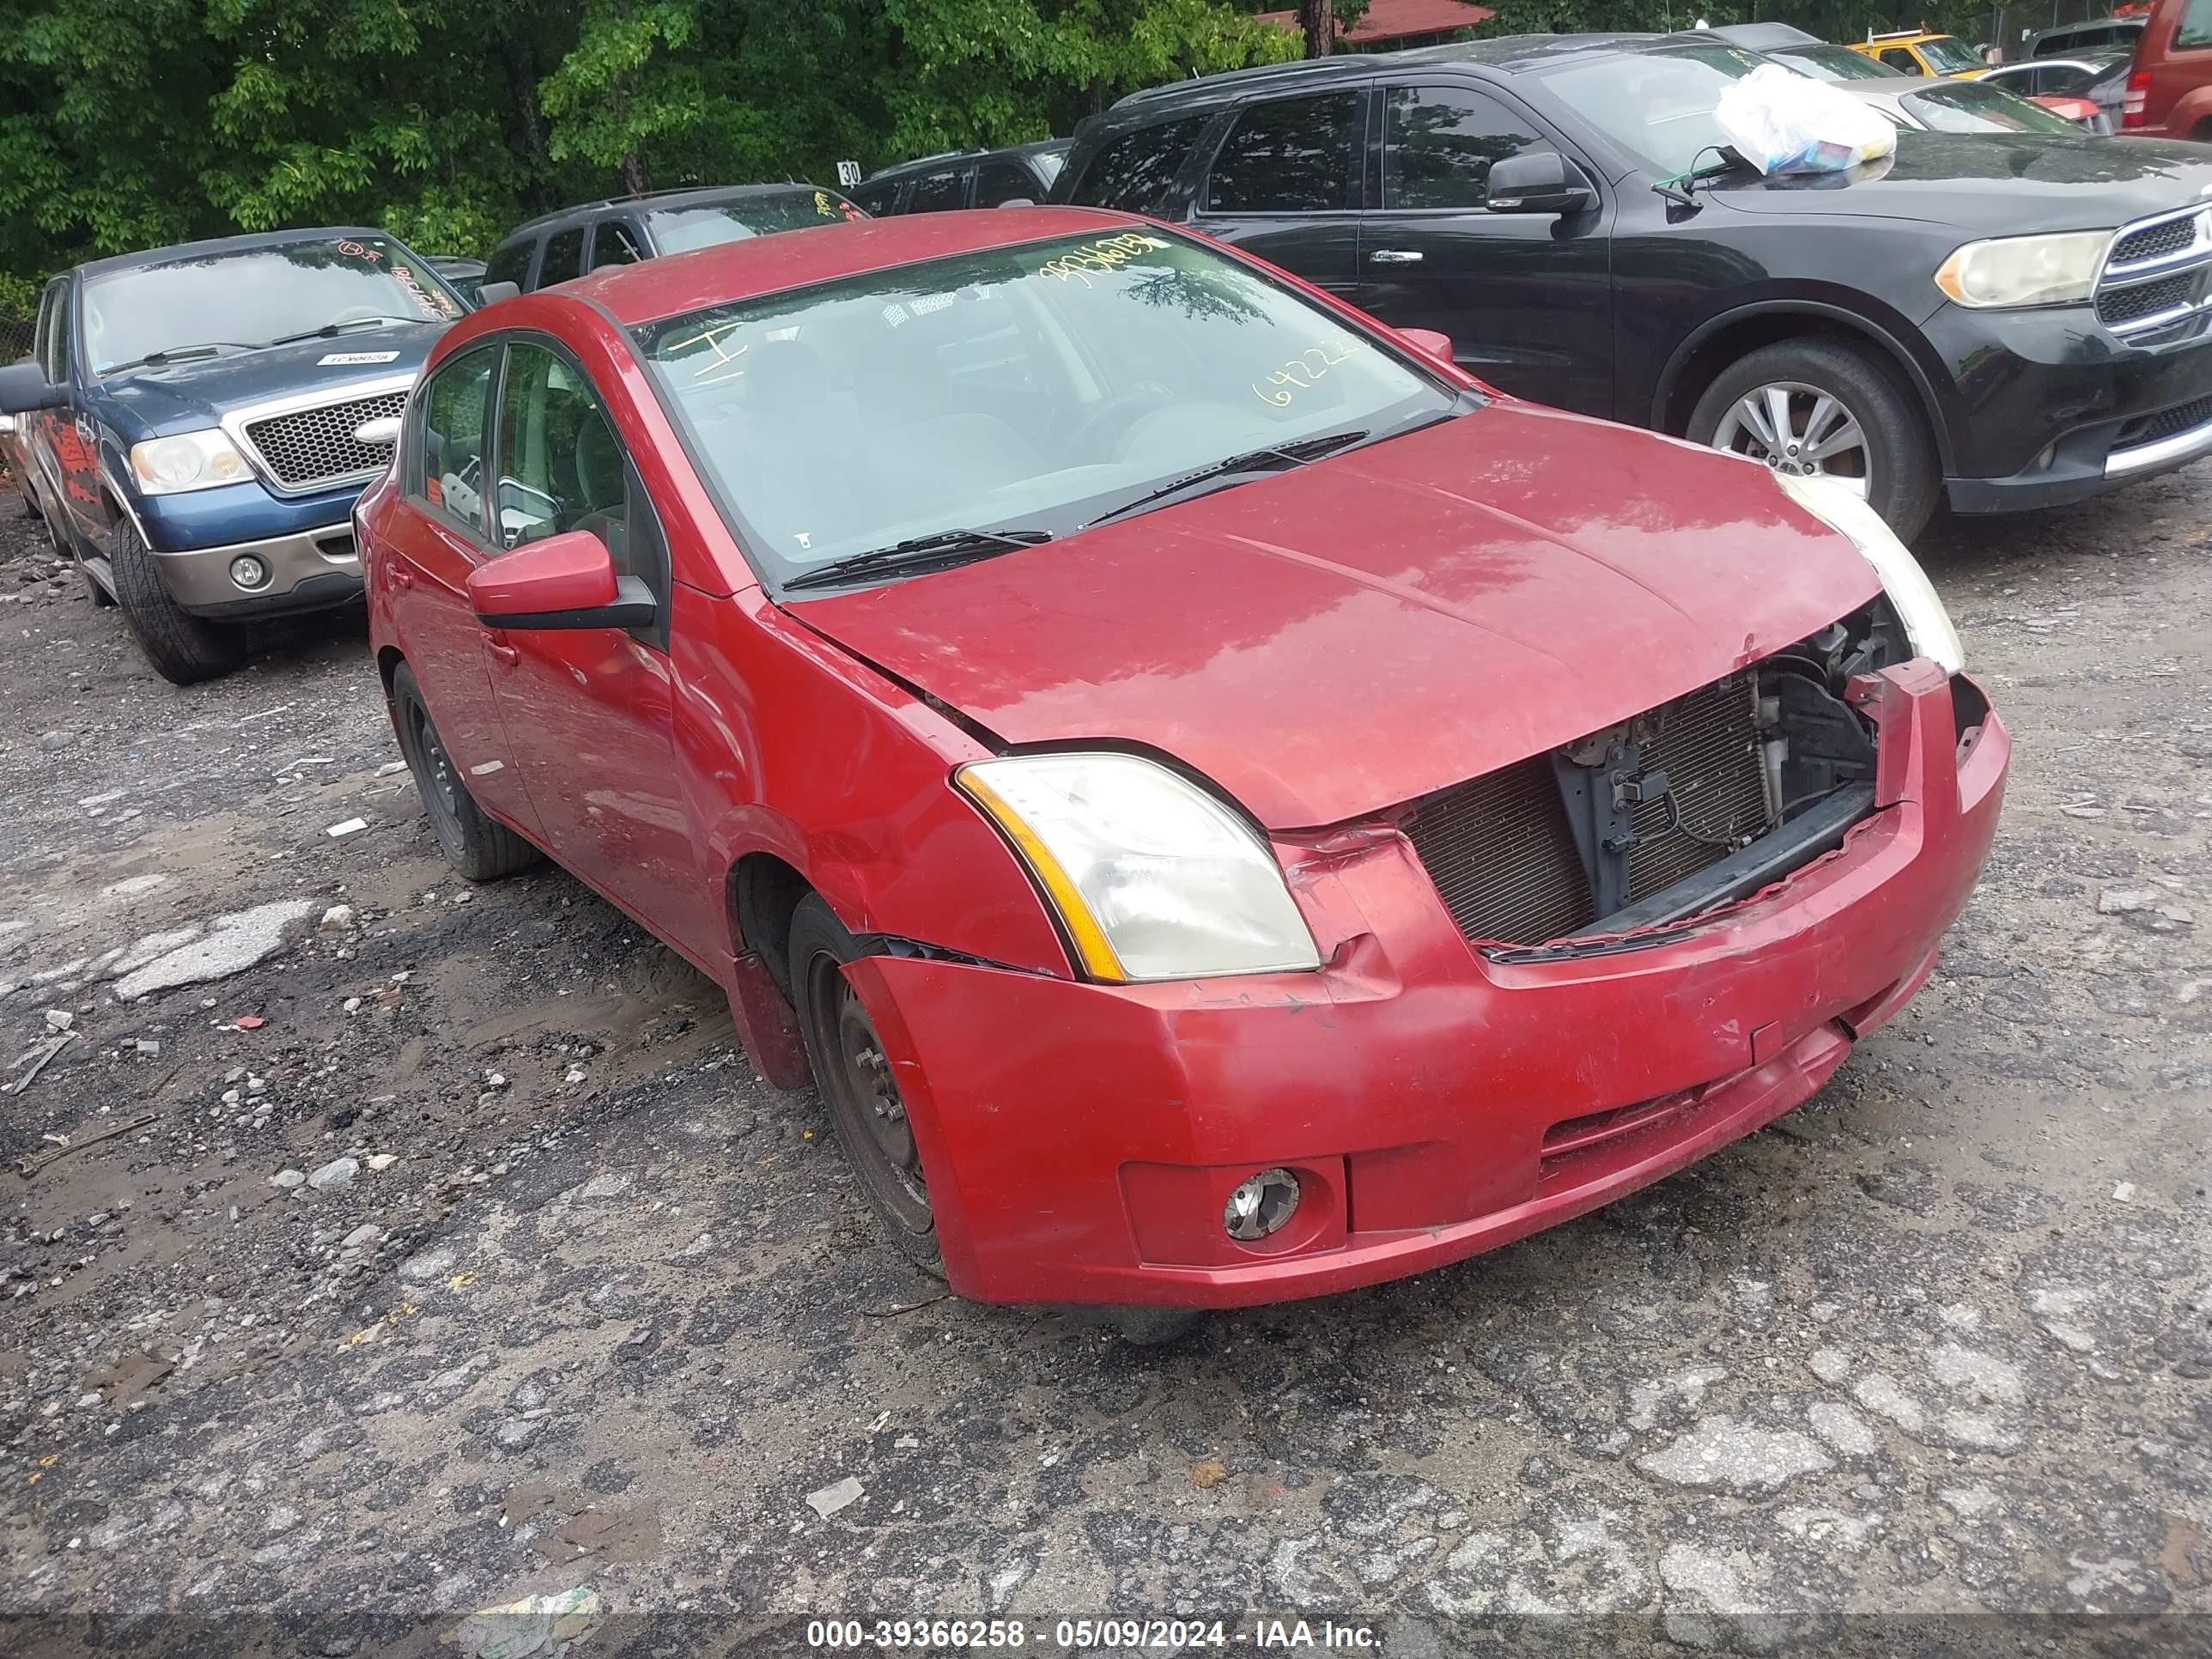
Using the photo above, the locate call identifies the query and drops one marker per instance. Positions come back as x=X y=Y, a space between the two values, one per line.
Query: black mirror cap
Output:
x=633 y=607
x=1538 y=181
x=24 y=386
x=492 y=293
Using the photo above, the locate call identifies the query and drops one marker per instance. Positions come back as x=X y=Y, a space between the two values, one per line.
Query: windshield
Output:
x=1037 y=387
x=1969 y=107
x=1948 y=55
x=249 y=298
x=1828 y=62
x=680 y=229
x=1657 y=105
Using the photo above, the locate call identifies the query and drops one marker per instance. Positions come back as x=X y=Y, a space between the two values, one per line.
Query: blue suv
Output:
x=198 y=421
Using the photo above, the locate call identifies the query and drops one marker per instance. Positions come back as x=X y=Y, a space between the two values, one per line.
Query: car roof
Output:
x=216 y=246
x=690 y=195
x=1507 y=53
x=924 y=163
x=734 y=272
x=1764 y=37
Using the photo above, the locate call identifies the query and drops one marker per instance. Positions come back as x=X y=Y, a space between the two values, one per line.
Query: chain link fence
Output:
x=15 y=335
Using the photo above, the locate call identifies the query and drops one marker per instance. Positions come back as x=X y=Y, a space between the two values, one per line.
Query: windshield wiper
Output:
x=332 y=331
x=944 y=549
x=1297 y=453
x=177 y=354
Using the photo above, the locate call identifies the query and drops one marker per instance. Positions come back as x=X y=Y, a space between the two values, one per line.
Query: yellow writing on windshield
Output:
x=1108 y=254
x=1304 y=371
x=723 y=364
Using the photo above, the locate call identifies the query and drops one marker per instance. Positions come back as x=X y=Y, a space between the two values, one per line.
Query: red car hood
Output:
x=1338 y=639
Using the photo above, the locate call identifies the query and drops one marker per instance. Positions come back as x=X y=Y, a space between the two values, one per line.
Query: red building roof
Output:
x=1398 y=20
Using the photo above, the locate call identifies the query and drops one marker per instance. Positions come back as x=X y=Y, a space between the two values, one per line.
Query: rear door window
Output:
x=2195 y=28
x=1133 y=171
x=998 y=182
x=614 y=242
x=1288 y=155
x=564 y=257
x=1440 y=143
x=879 y=199
x=938 y=192
x=1901 y=60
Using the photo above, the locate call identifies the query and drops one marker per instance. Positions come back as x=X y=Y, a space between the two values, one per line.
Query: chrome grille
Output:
x=1503 y=854
x=309 y=447
x=2157 y=280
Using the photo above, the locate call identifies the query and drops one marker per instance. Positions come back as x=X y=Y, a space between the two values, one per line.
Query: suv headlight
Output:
x=1152 y=877
x=190 y=460
x=1927 y=623
x=2025 y=270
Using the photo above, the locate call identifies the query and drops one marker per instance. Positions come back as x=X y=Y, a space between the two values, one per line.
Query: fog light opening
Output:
x=1262 y=1205
x=248 y=572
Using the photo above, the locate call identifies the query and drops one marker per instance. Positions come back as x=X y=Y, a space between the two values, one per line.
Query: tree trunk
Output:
x=637 y=178
x=1317 y=18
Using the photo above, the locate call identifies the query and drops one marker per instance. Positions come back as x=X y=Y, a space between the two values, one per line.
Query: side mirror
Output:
x=492 y=292
x=1539 y=181
x=1019 y=201
x=24 y=386
x=565 y=581
x=1429 y=343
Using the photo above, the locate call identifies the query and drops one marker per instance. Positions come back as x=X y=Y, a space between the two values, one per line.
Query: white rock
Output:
x=1720 y=1454
x=2124 y=901
x=350 y=826
x=831 y=1498
x=1843 y=1429
x=334 y=1174
x=231 y=945
x=59 y=1020
x=606 y=1186
x=2124 y=1192
x=382 y=1161
x=337 y=919
x=368 y=1233
x=289 y=1179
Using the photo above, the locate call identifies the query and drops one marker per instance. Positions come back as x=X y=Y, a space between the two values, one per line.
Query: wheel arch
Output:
x=1721 y=340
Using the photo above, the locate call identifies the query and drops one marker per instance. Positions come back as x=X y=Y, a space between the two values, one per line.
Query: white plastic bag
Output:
x=1781 y=121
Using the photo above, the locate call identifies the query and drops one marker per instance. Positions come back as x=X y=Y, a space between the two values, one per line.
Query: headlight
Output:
x=191 y=460
x=1153 y=878
x=1927 y=624
x=2025 y=270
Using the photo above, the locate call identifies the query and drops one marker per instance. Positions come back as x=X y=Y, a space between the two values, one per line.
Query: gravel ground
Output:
x=567 y=1298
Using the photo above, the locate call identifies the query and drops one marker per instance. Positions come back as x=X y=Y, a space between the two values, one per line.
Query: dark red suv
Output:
x=2170 y=93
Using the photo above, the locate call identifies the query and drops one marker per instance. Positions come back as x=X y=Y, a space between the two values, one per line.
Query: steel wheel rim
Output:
x=864 y=1097
x=440 y=786
x=1799 y=429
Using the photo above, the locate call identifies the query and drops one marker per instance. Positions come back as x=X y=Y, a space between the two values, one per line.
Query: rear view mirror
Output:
x=1429 y=343
x=565 y=581
x=492 y=292
x=24 y=387
x=1539 y=181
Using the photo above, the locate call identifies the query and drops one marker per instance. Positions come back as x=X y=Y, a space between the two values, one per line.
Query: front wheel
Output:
x=855 y=1075
x=1826 y=409
x=183 y=648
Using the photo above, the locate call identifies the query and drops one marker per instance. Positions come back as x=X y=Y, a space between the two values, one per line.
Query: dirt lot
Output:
x=590 y=1305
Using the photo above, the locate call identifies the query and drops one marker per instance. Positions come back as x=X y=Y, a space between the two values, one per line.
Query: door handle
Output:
x=506 y=655
x=1395 y=256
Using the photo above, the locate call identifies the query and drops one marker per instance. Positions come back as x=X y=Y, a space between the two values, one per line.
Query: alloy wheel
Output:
x=1800 y=429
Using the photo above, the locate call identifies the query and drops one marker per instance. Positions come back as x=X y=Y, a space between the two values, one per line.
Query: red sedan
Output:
x=1225 y=806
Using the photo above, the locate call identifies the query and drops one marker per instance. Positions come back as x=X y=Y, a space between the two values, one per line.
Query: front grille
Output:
x=312 y=447
x=2116 y=307
x=2155 y=242
x=1503 y=854
x=2166 y=424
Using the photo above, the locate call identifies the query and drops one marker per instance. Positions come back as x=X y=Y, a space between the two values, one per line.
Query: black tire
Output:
x=183 y=648
x=856 y=1083
x=1896 y=453
x=479 y=846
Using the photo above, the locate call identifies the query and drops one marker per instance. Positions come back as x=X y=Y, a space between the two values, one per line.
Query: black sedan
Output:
x=1998 y=320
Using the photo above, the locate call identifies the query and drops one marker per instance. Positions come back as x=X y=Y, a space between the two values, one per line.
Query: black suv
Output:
x=2002 y=319
x=625 y=229
x=965 y=178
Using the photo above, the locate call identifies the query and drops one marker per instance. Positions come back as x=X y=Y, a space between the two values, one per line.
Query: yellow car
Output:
x=1915 y=51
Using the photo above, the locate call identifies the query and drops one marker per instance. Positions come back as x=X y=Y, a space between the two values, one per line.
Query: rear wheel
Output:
x=1826 y=409
x=183 y=648
x=855 y=1075
x=479 y=846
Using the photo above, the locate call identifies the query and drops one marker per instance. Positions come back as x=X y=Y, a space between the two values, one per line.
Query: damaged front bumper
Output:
x=1431 y=1100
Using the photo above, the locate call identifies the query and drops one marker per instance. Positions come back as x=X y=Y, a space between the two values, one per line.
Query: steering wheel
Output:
x=1111 y=420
